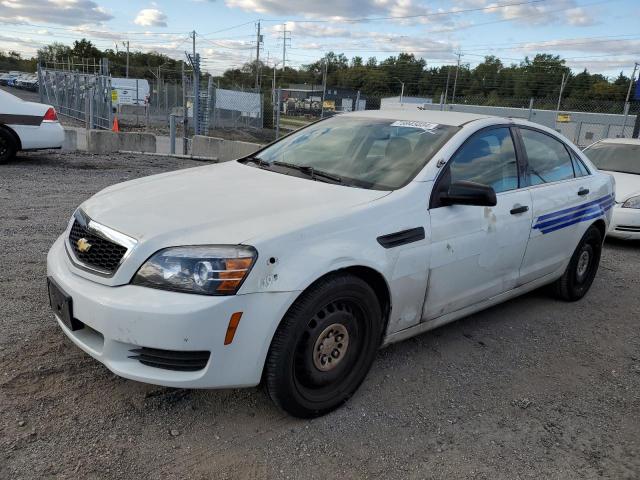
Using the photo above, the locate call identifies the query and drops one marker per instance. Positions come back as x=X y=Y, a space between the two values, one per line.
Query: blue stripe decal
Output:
x=583 y=211
x=572 y=222
x=551 y=222
x=573 y=209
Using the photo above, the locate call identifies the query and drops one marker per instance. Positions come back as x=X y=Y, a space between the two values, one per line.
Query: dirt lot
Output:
x=534 y=388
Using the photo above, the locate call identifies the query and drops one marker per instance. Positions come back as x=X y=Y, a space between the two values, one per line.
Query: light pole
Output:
x=402 y=89
x=626 y=101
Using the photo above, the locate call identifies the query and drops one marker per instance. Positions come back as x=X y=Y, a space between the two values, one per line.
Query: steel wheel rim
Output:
x=330 y=347
x=584 y=261
x=317 y=385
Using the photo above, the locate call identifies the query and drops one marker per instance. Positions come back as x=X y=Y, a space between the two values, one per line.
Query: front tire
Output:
x=8 y=147
x=582 y=268
x=324 y=347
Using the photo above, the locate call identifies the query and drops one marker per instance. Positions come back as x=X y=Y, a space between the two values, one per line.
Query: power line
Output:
x=422 y=15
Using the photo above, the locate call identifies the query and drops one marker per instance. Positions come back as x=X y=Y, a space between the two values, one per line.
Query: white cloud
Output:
x=151 y=17
x=61 y=12
x=341 y=10
x=558 y=11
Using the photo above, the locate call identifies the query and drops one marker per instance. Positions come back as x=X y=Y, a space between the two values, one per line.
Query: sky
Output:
x=600 y=35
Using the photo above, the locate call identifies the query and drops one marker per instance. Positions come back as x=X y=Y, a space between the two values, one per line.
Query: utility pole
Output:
x=455 y=81
x=324 y=85
x=284 y=46
x=446 y=88
x=126 y=44
x=195 y=63
x=258 y=41
x=401 y=90
x=565 y=79
x=626 y=102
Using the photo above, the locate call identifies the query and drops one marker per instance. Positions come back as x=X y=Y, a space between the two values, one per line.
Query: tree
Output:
x=85 y=49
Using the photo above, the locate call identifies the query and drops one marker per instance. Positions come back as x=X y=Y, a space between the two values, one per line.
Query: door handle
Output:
x=517 y=210
x=583 y=191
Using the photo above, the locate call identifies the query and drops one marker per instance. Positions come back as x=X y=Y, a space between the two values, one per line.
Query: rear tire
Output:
x=8 y=147
x=582 y=268
x=324 y=347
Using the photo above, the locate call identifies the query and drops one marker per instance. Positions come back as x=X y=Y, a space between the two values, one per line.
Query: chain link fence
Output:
x=85 y=97
x=583 y=121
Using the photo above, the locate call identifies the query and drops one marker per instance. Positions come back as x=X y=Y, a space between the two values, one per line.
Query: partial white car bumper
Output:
x=121 y=319
x=625 y=223
x=45 y=135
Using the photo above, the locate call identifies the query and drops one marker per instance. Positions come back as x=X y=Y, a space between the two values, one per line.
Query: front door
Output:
x=477 y=251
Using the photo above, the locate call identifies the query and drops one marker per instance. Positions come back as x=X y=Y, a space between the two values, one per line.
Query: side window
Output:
x=548 y=159
x=489 y=158
x=578 y=166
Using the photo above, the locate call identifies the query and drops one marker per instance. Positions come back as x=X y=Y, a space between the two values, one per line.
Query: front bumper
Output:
x=625 y=223
x=120 y=319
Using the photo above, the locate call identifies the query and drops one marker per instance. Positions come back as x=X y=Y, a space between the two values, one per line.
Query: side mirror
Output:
x=469 y=193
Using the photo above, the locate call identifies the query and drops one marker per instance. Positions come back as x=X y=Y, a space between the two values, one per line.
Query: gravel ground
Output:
x=534 y=388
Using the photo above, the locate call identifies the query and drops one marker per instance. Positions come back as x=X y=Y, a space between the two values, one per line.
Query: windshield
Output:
x=615 y=157
x=380 y=154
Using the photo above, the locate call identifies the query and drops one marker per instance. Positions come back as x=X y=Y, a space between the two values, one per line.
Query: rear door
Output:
x=565 y=202
x=477 y=251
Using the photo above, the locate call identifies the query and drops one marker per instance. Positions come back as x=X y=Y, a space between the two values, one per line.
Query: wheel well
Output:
x=379 y=285
x=375 y=280
x=15 y=136
x=600 y=225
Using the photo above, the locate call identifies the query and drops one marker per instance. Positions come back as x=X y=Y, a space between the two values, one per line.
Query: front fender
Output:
x=293 y=261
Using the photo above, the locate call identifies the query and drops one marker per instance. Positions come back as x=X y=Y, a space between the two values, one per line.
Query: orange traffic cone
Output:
x=116 y=127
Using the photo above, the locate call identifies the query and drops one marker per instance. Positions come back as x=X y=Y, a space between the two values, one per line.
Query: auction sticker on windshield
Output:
x=416 y=124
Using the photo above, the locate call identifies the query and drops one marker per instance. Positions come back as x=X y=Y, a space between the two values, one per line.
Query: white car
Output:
x=620 y=157
x=293 y=265
x=27 y=126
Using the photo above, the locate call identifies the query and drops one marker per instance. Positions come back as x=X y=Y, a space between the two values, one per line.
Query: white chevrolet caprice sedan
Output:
x=620 y=157
x=294 y=265
x=27 y=126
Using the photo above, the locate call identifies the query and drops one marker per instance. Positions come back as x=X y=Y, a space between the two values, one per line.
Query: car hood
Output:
x=227 y=203
x=627 y=185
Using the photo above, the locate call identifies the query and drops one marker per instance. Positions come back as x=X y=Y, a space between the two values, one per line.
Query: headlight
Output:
x=633 y=202
x=206 y=270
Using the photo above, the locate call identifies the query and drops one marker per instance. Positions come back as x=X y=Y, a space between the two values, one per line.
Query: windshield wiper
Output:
x=258 y=161
x=310 y=171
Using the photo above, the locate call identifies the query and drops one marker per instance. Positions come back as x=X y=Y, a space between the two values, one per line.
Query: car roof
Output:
x=455 y=119
x=623 y=141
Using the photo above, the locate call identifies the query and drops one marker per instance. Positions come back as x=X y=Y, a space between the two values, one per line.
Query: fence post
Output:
x=91 y=106
x=172 y=134
x=185 y=113
x=196 y=94
x=40 y=83
x=530 y=109
x=278 y=113
x=626 y=116
x=209 y=103
x=87 y=110
x=606 y=132
x=576 y=138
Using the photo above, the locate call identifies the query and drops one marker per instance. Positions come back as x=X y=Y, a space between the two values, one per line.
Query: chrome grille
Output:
x=102 y=254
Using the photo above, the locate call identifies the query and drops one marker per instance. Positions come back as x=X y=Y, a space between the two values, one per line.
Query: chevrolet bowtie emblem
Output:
x=83 y=245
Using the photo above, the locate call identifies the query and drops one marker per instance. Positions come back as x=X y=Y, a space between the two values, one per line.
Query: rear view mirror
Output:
x=469 y=193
